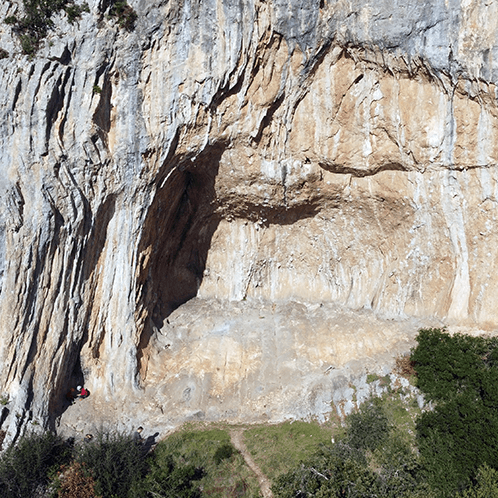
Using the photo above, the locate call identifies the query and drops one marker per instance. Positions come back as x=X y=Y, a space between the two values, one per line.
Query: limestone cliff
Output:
x=283 y=163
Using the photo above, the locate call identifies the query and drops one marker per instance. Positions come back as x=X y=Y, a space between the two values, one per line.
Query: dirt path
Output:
x=236 y=435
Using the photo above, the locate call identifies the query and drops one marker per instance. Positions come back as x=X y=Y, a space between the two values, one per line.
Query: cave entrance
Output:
x=177 y=236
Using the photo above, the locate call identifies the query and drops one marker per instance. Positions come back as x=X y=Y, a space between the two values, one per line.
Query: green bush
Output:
x=24 y=467
x=116 y=463
x=224 y=452
x=448 y=365
x=486 y=485
x=373 y=459
x=332 y=472
x=74 y=11
x=369 y=427
x=460 y=375
x=170 y=478
x=125 y=14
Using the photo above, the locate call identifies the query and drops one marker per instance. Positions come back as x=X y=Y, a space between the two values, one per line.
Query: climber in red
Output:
x=82 y=392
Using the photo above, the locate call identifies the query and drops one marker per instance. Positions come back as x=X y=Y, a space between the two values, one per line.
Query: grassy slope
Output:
x=275 y=448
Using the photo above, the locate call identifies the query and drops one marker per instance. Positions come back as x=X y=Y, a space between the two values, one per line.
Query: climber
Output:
x=82 y=392
x=137 y=436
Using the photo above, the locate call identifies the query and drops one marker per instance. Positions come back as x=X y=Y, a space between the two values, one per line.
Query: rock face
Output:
x=296 y=160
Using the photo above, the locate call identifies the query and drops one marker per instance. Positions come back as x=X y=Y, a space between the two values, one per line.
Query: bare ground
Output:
x=237 y=438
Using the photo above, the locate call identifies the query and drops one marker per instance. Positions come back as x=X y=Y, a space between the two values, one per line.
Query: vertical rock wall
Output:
x=337 y=152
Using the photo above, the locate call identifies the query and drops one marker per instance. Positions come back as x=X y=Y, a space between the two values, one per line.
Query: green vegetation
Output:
x=279 y=448
x=37 y=20
x=209 y=460
x=3 y=55
x=74 y=11
x=459 y=374
x=124 y=13
x=375 y=456
x=389 y=448
x=97 y=89
x=486 y=485
x=115 y=462
x=26 y=467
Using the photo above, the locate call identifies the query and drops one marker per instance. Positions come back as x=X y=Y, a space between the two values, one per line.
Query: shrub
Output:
x=37 y=20
x=24 y=467
x=486 y=485
x=404 y=366
x=75 y=482
x=168 y=478
x=225 y=451
x=74 y=11
x=459 y=373
x=448 y=365
x=125 y=14
x=368 y=428
x=115 y=462
x=334 y=472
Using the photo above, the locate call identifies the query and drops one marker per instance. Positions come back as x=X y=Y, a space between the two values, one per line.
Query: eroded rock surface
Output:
x=291 y=158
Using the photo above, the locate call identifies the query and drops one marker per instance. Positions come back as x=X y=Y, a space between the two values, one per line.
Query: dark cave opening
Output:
x=177 y=237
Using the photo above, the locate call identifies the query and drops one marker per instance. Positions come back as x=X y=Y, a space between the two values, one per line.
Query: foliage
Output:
x=226 y=450
x=369 y=428
x=74 y=11
x=486 y=485
x=125 y=14
x=97 y=89
x=341 y=470
x=24 y=467
x=404 y=367
x=458 y=373
x=448 y=365
x=332 y=472
x=37 y=20
x=75 y=482
x=373 y=458
x=200 y=460
x=115 y=462
x=372 y=378
x=170 y=478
